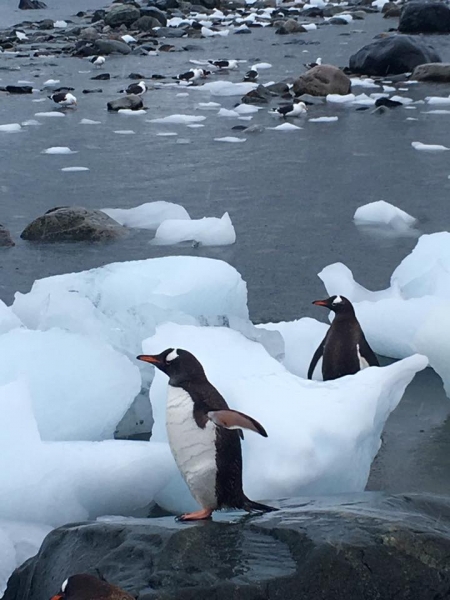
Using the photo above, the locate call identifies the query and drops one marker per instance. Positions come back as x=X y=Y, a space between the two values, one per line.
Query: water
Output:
x=291 y=196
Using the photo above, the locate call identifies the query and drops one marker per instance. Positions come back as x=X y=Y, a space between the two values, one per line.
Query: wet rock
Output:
x=19 y=89
x=94 y=91
x=312 y=11
x=290 y=26
x=46 y=24
x=338 y=21
x=392 y=55
x=73 y=224
x=102 y=77
x=89 y=33
x=331 y=10
x=278 y=88
x=437 y=72
x=31 y=4
x=146 y=24
x=6 y=240
x=170 y=32
x=98 y=15
x=111 y=47
x=362 y=546
x=156 y=13
x=424 y=17
x=392 y=12
x=130 y=101
x=121 y=14
x=321 y=81
x=260 y=95
x=311 y=100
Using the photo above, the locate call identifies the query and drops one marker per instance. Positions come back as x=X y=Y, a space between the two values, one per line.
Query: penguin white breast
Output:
x=363 y=364
x=193 y=447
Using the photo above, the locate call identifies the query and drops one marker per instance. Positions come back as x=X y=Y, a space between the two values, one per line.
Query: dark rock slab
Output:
x=31 y=4
x=425 y=17
x=111 y=47
x=156 y=13
x=73 y=224
x=18 y=89
x=130 y=101
x=392 y=55
x=101 y=77
x=437 y=72
x=290 y=26
x=146 y=23
x=357 y=547
x=321 y=81
x=121 y=14
x=6 y=240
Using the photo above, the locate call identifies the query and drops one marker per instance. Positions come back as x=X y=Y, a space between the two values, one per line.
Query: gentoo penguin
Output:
x=87 y=587
x=64 y=99
x=192 y=75
x=204 y=435
x=344 y=348
x=136 y=88
x=224 y=65
x=98 y=61
x=251 y=75
x=313 y=64
x=290 y=110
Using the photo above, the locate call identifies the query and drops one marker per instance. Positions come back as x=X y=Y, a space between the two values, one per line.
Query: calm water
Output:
x=291 y=196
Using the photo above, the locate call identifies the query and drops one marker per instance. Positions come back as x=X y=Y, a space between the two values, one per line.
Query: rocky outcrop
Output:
x=73 y=224
x=130 y=102
x=105 y=47
x=31 y=4
x=321 y=81
x=146 y=23
x=6 y=240
x=425 y=17
x=437 y=72
x=121 y=14
x=363 y=546
x=289 y=26
x=392 y=55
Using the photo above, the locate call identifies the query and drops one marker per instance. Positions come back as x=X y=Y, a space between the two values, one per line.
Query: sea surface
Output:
x=291 y=195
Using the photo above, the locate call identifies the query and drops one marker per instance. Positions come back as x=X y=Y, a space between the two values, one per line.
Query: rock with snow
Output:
x=209 y=231
x=149 y=215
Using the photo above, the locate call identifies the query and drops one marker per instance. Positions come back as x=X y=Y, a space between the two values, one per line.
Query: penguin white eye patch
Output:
x=337 y=300
x=172 y=356
x=64 y=585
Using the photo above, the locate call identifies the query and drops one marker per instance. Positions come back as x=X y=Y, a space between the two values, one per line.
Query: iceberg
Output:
x=384 y=214
x=149 y=215
x=209 y=231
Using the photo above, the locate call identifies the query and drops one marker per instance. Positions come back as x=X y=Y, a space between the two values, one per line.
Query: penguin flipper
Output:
x=233 y=419
x=315 y=359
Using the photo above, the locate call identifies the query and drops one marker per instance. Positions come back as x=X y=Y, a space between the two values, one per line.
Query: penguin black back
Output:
x=344 y=349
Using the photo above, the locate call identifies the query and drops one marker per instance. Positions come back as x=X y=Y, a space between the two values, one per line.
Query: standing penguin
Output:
x=87 y=587
x=344 y=348
x=204 y=435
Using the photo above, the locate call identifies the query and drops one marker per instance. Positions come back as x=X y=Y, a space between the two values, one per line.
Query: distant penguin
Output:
x=290 y=110
x=87 y=587
x=204 y=435
x=344 y=349
x=251 y=75
x=136 y=88
x=98 y=61
x=65 y=99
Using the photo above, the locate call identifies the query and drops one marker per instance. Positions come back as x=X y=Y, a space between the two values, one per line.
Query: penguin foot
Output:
x=200 y=515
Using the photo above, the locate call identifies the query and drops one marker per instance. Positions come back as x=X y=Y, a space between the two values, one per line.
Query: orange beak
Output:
x=57 y=597
x=320 y=302
x=154 y=360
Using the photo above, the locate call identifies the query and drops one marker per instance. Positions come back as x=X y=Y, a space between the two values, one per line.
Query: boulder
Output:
x=73 y=224
x=425 y=17
x=19 y=89
x=6 y=240
x=130 y=102
x=31 y=4
x=89 y=33
x=321 y=81
x=111 y=47
x=289 y=26
x=121 y=14
x=367 y=546
x=45 y=24
x=393 y=54
x=146 y=23
x=437 y=72
x=392 y=12
x=156 y=13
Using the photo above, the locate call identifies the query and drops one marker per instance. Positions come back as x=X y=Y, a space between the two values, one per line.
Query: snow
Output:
x=8 y=320
x=209 y=231
x=286 y=127
x=125 y=132
x=60 y=24
x=179 y=119
x=128 y=111
x=341 y=421
x=89 y=122
x=261 y=66
x=323 y=120
x=225 y=112
x=437 y=100
x=147 y=216
x=226 y=88
x=383 y=213
x=246 y=109
x=338 y=99
x=74 y=169
x=428 y=147
x=11 y=127
x=81 y=387
x=230 y=139
x=58 y=150
x=367 y=82
x=49 y=114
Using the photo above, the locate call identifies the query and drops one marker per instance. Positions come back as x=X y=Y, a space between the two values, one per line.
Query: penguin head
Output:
x=338 y=304
x=180 y=365
x=83 y=586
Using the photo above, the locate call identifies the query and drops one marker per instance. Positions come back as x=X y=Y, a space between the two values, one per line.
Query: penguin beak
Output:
x=321 y=303
x=154 y=360
x=57 y=597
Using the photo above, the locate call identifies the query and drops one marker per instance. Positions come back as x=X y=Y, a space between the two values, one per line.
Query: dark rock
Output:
x=136 y=76
x=338 y=21
x=165 y=4
x=260 y=95
x=313 y=11
x=362 y=546
x=46 y=24
x=425 y=17
x=146 y=23
x=130 y=101
x=73 y=224
x=6 y=240
x=392 y=54
x=121 y=14
x=98 y=15
x=392 y=12
x=290 y=26
x=156 y=13
x=331 y=10
x=278 y=88
x=311 y=100
x=111 y=47
x=31 y=4
x=102 y=77
x=387 y=103
x=19 y=89
x=89 y=33
x=94 y=91
x=321 y=81
x=437 y=72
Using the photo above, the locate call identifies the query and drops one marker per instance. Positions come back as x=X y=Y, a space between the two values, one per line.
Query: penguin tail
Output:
x=251 y=506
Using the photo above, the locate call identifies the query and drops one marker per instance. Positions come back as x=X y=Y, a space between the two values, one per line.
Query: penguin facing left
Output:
x=87 y=587
x=204 y=435
x=344 y=349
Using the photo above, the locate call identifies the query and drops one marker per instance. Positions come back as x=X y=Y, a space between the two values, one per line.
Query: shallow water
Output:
x=291 y=195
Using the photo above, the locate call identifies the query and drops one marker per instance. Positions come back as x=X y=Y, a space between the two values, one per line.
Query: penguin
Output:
x=136 y=88
x=204 y=436
x=290 y=110
x=98 y=61
x=344 y=349
x=251 y=75
x=87 y=587
x=64 y=99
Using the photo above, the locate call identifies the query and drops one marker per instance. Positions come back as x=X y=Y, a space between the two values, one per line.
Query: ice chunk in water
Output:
x=149 y=215
x=209 y=231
